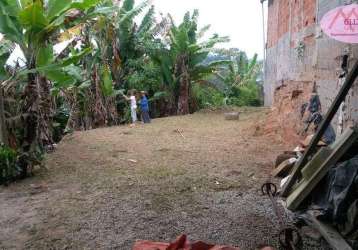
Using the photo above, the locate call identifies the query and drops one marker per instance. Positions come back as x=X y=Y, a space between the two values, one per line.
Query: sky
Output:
x=241 y=20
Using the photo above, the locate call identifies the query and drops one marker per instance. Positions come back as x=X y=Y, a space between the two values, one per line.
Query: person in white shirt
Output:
x=133 y=102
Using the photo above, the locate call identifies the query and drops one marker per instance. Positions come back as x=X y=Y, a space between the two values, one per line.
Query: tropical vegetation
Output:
x=78 y=57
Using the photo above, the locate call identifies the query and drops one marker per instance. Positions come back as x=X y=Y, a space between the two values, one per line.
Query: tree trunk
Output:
x=30 y=143
x=181 y=71
x=45 y=111
x=73 y=122
x=31 y=107
x=3 y=130
x=112 y=114
x=99 y=109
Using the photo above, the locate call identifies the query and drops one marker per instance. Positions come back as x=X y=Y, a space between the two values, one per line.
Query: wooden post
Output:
x=3 y=130
x=333 y=238
x=324 y=125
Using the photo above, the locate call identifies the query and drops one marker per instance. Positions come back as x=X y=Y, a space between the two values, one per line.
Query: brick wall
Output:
x=294 y=24
x=272 y=23
x=289 y=16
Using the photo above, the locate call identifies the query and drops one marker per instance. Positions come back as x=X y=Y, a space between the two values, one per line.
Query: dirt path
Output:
x=108 y=187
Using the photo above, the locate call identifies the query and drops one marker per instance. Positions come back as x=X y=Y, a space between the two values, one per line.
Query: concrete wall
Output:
x=299 y=54
x=289 y=24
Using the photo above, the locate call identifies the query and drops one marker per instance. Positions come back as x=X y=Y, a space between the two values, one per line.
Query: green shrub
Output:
x=206 y=97
x=8 y=164
x=60 y=120
x=247 y=95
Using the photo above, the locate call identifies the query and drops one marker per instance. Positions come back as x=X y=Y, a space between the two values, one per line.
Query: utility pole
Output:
x=263 y=31
x=264 y=50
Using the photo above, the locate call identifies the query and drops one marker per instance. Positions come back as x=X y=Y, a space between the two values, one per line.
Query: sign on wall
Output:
x=342 y=23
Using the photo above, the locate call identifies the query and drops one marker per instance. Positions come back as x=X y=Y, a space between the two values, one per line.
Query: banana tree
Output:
x=133 y=39
x=183 y=63
x=33 y=25
x=241 y=73
x=5 y=50
x=115 y=40
x=3 y=132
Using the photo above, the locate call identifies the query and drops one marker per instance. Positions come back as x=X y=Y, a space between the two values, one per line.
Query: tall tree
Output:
x=132 y=39
x=3 y=130
x=182 y=60
x=32 y=25
x=5 y=50
x=239 y=75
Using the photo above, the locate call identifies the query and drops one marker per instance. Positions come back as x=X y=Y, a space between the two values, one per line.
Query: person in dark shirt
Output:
x=144 y=106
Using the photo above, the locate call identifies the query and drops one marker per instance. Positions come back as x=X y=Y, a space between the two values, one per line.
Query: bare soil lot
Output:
x=106 y=188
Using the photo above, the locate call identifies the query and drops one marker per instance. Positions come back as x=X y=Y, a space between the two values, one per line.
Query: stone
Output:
x=232 y=116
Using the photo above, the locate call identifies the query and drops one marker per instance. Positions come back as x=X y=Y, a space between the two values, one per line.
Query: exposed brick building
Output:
x=299 y=54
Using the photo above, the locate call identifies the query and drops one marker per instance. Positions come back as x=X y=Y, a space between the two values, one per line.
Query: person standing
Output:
x=144 y=106
x=133 y=103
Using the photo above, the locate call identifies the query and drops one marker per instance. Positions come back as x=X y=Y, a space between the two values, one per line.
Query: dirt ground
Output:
x=106 y=188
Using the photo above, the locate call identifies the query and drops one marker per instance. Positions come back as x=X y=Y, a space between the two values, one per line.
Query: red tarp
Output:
x=180 y=244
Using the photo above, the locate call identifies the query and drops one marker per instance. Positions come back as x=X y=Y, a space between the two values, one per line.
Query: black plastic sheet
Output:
x=337 y=198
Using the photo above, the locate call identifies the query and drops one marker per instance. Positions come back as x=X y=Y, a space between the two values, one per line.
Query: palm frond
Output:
x=6 y=48
x=195 y=16
x=129 y=14
x=127 y=5
x=213 y=41
x=203 y=30
x=219 y=63
x=253 y=62
x=147 y=22
x=220 y=76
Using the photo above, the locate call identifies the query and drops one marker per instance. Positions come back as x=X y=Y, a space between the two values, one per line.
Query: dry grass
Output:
x=106 y=188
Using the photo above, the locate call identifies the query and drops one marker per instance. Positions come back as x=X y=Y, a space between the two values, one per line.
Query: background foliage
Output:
x=106 y=50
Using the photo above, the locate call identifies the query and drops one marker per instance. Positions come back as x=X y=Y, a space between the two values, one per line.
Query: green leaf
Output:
x=56 y=7
x=130 y=13
x=10 y=7
x=55 y=92
x=56 y=18
x=147 y=22
x=85 y=4
x=198 y=58
x=74 y=59
x=60 y=78
x=6 y=48
x=203 y=30
x=3 y=74
x=104 y=11
x=32 y=17
x=10 y=28
x=74 y=72
x=85 y=84
x=53 y=69
x=219 y=63
x=24 y=3
x=159 y=95
x=107 y=86
x=44 y=56
x=213 y=41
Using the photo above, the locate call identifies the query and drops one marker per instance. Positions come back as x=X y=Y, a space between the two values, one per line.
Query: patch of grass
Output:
x=226 y=186
x=160 y=173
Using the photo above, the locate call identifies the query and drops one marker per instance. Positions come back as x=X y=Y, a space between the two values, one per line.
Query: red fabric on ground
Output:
x=180 y=244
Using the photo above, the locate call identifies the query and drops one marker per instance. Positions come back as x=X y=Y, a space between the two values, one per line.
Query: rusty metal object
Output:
x=289 y=237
